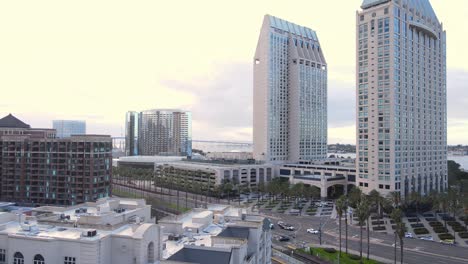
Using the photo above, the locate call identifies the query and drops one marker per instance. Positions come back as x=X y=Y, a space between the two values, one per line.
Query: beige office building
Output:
x=401 y=97
x=290 y=94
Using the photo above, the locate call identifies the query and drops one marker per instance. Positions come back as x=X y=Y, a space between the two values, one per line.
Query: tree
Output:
x=465 y=209
x=378 y=201
x=400 y=230
x=454 y=201
x=340 y=207
x=354 y=197
x=261 y=190
x=227 y=188
x=362 y=211
x=415 y=201
x=444 y=204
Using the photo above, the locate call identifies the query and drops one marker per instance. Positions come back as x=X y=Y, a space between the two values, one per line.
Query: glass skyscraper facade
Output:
x=290 y=94
x=66 y=128
x=132 y=124
x=401 y=98
x=159 y=132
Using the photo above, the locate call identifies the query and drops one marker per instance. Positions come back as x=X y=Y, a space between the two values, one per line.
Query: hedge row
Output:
x=421 y=231
x=445 y=236
x=440 y=229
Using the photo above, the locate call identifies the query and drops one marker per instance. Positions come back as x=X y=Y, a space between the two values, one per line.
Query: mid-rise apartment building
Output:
x=108 y=231
x=36 y=168
x=401 y=97
x=159 y=132
x=290 y=94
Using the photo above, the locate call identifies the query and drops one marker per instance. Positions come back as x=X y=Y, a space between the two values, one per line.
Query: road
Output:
x=416 y=251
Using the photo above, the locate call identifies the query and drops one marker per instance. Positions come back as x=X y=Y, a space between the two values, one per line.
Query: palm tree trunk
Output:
x=368 y=238
x=178 y=198
x=360 y=244
x=339 y=226
x=401 y=250
x=346 y=233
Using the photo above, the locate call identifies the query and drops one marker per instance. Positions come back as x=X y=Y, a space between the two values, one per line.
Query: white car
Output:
x=312 y=231
x=427 y=238
x=408 y=235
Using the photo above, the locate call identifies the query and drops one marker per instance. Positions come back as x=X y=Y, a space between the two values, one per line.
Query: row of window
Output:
x=18 y=258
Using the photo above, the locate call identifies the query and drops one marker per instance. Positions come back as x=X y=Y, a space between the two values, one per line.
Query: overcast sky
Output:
x=95 y=60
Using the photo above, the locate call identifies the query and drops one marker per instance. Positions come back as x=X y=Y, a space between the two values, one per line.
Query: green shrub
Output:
x=330 y=250
x=421 y=231
x=354 y=257
x=453 y=223
x=445 y=236
x=459 y=228
x=440 y=229
x=436 y=223
x=463 y=235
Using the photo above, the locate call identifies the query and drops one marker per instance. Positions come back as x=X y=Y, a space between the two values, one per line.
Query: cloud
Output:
x=222 y=108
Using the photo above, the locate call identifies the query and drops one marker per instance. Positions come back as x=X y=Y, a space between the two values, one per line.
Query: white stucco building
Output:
x=110 y=231
x=219 y=234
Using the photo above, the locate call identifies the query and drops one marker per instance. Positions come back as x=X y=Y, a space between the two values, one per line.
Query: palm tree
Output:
x=395 y=198
x=377 y=200
x=444 y=204
x=362 y=213
x=415 y=198
x=400 y=230
x=354 y=197
x=227 y=188
x=346 y=223
x=340 y=207
x=465 y=209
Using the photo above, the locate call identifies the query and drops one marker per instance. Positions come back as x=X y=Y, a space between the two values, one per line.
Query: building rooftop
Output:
x=292 y=28
x=235 y=232
x=151 y=159
x=199 y=227
x=203 y=164
x=423 y=6
x=123 y=217
x=202 y=255
x=11 y=121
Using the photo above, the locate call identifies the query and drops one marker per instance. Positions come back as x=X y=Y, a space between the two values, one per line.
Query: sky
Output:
x=97 y=59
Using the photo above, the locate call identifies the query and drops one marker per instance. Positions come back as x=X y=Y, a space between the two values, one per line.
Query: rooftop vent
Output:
x=89 y=233
x=81 y=211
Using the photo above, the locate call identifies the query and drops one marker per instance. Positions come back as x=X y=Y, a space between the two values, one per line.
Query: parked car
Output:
x=448 y=242
x=281 y=224
x=408 y=235
x=312 y=231
x=427 y=238
x=285 y=226
x=283 y=238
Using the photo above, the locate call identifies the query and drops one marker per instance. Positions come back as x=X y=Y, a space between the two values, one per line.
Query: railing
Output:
x=279 y=254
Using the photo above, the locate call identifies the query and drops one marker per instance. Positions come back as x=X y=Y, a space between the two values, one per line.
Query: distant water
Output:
x=462 y=160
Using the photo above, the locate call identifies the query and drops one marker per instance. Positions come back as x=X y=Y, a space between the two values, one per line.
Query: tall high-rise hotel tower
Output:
x=401 y=97
x=290 y=94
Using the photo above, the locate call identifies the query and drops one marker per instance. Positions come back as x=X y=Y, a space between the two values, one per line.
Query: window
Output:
x=151 y=258
x=70 y=260
x=18 y=258
x=38 y=259
x=2 y=255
